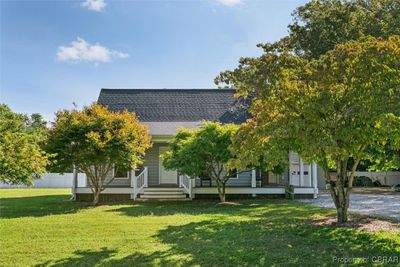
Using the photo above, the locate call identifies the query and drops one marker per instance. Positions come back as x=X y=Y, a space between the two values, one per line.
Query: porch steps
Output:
x=163 y=193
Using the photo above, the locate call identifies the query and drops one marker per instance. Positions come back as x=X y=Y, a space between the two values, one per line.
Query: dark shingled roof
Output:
x=163 y=105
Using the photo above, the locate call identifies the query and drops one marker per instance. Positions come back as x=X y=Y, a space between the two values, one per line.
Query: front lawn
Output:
x=40 y=227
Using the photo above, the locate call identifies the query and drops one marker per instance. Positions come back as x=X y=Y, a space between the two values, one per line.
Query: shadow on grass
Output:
x=104 y=256
x=39 y=206
x=82 y=258
x=263 y=242
x=244 y=243
x=250 y=207
x=44 y=205
x=257 y=233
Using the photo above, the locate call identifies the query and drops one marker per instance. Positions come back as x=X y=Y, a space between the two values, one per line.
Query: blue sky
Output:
x=56 y=53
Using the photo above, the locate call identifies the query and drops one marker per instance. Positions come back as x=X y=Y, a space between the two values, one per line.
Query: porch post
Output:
x=146 y=177
x=315 y=179
x=74 y=182
x=301 y=172
x=253 y=179
x=134 y=185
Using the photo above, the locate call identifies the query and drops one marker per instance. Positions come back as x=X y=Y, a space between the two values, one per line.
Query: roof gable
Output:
x=173 y=105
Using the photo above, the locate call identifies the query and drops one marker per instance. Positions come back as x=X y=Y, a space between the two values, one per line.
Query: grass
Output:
x=40 y=227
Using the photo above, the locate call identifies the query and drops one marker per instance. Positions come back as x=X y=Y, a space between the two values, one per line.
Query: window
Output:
x=121 y=172
x=236 y=176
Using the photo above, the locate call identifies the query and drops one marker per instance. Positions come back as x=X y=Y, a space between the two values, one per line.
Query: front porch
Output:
x=195 y=187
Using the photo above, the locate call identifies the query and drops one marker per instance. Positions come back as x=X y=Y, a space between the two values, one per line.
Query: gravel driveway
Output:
x=384 y=205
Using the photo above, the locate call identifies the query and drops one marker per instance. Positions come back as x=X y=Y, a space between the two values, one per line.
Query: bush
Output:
x=362 y=181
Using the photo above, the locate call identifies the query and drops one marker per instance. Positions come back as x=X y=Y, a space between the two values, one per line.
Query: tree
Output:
x=96 y=140
x=321 y=24
x=331 y=110
x=203 y=153
x=386 y=157
x=21 y=157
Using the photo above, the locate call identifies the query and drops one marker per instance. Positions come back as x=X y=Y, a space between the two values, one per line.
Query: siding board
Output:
x=244 y=180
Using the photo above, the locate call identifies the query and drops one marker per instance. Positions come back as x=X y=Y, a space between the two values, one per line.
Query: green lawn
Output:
x=40 y=227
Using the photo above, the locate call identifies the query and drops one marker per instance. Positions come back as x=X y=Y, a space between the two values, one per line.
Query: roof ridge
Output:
x=167 y=89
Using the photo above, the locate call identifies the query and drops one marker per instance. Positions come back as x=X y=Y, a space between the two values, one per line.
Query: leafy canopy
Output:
x=21 y=156
x=319 y=25
x=96 y=136
x=326 y=109
x=201 y=152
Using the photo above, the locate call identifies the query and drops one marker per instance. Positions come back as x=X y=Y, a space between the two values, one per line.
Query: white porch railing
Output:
x=138 y=183
x=186 y=182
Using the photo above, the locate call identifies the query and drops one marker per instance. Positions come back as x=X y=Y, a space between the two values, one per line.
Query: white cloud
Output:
x=230 y=2
x=96 y=5
x=80 y=50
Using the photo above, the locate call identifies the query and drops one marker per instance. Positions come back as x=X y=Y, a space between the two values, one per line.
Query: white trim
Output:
x=234 y=177
x=315 y=179
x=304 y=190
x=169 y=128
x=74 y=182
x=120 y=178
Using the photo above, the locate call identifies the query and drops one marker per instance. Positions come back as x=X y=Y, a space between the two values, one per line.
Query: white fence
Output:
x=52 y=180
x=386 y=178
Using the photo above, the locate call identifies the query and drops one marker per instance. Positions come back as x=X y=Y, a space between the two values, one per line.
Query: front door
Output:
x=166 y=177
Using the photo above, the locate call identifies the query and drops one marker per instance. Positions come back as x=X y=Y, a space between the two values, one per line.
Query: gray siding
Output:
x=121 y=182
x=284 y=178
x=152 y=161
x=116 y=182
x=244 y=180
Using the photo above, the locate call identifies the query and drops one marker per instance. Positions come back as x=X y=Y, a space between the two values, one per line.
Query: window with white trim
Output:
x=120 y=172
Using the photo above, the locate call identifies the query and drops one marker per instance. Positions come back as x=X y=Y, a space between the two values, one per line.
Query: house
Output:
x=164 y=111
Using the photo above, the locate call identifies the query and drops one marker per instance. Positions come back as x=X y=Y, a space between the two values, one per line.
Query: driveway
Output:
x=384 y=204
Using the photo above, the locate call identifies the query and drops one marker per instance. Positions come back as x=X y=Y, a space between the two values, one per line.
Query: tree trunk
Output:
x=222 y=196
x=96 y=176
x=96 y=197
x=341 y=213
x=339 y=191
x=341 y=203
x=221 y=190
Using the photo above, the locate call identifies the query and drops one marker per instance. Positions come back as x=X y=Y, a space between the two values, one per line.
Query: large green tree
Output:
x=96 y=140
x=203 y=153
x=331 y=110
x=321 y=24
x=21 y=157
